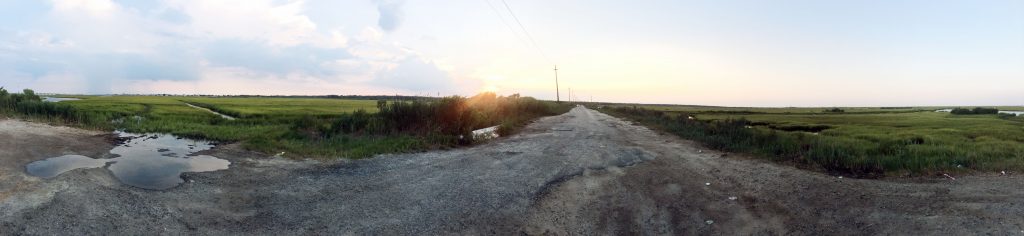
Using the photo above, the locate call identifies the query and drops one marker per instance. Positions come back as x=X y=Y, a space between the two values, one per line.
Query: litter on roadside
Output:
x=707 y=184
x=950 y=177
x=733 y=198
x=709 y=222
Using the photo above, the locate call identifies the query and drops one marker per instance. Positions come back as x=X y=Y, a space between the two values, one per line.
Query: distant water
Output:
x=149 y=161
x=211 y=111
x=1016 y=113
x=55 y=99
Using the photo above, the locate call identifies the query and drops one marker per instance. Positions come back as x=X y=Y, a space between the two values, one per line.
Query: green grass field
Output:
x=896 y=141
x=299 y=126
x=259 y=116
x=244 y=107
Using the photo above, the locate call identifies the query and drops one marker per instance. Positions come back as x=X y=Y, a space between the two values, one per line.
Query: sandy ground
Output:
x=580 y=173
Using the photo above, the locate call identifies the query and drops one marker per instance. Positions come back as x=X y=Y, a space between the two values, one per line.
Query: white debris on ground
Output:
x=486 y=133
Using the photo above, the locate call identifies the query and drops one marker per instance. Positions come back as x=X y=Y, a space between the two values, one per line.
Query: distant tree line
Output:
x=975 y=111
x=834 y=110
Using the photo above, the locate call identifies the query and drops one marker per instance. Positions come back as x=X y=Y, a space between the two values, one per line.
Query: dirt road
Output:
x=578 y=173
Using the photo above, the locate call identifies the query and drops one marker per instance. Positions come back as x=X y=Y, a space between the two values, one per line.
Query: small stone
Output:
x=707 y=184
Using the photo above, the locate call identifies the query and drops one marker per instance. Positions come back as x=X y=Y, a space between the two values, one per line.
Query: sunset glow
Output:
x=741 y=53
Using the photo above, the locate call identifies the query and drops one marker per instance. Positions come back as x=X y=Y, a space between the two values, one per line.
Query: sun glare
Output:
x=489 y=89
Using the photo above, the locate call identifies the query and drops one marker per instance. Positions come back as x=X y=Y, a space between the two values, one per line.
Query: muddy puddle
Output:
x=149 y=161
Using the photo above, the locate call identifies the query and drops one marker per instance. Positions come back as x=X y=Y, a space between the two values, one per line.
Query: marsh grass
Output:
x=862 y=144
x=307 y=127
x=28 y=105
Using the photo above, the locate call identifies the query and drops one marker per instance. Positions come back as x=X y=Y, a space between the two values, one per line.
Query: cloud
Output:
x=301 y=58
x=390 y=12
x=416 y=75
x=215 y=46
x=260 y=20
x=93 y=7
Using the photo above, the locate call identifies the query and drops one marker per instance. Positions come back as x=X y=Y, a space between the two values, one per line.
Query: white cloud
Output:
x=338 y=40
x=212 y=47
x=93 y=7
x=40 y=41
x=263 y=20
x=390 y=14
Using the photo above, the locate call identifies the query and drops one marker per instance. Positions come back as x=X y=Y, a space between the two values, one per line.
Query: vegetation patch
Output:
x=975 y=111
x=803 y=128
x=306 y=126
x=858 y=144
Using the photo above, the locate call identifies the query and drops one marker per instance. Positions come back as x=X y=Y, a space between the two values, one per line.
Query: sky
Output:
x=722 y=52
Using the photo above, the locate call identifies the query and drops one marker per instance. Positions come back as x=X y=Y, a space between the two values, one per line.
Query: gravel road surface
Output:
x=580 y=173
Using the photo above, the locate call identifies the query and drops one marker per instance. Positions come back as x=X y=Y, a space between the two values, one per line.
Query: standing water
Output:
x=1016 y=113
x=149 y=161
x=54 y=99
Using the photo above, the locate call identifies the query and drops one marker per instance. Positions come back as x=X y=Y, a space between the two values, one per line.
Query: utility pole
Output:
x=557 y=98
x=570 y=94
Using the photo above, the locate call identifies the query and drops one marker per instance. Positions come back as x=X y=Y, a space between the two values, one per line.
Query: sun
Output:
x=489 y=89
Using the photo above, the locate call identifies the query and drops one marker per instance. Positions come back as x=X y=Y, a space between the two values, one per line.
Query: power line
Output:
x=526 y=32
x=507 y=25
x=528 y=36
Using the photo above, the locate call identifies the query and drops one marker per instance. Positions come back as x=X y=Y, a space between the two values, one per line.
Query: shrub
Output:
x=975 y=111
x=29 y=105
x=447 y=121
x=985 y=110
x=961 y=111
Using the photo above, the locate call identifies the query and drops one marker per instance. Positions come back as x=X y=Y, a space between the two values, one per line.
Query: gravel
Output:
x=578 y=173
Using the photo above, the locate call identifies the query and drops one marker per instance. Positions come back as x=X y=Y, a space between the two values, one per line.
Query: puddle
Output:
x=53 y=99
x=149 y=161
x=51 y=167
